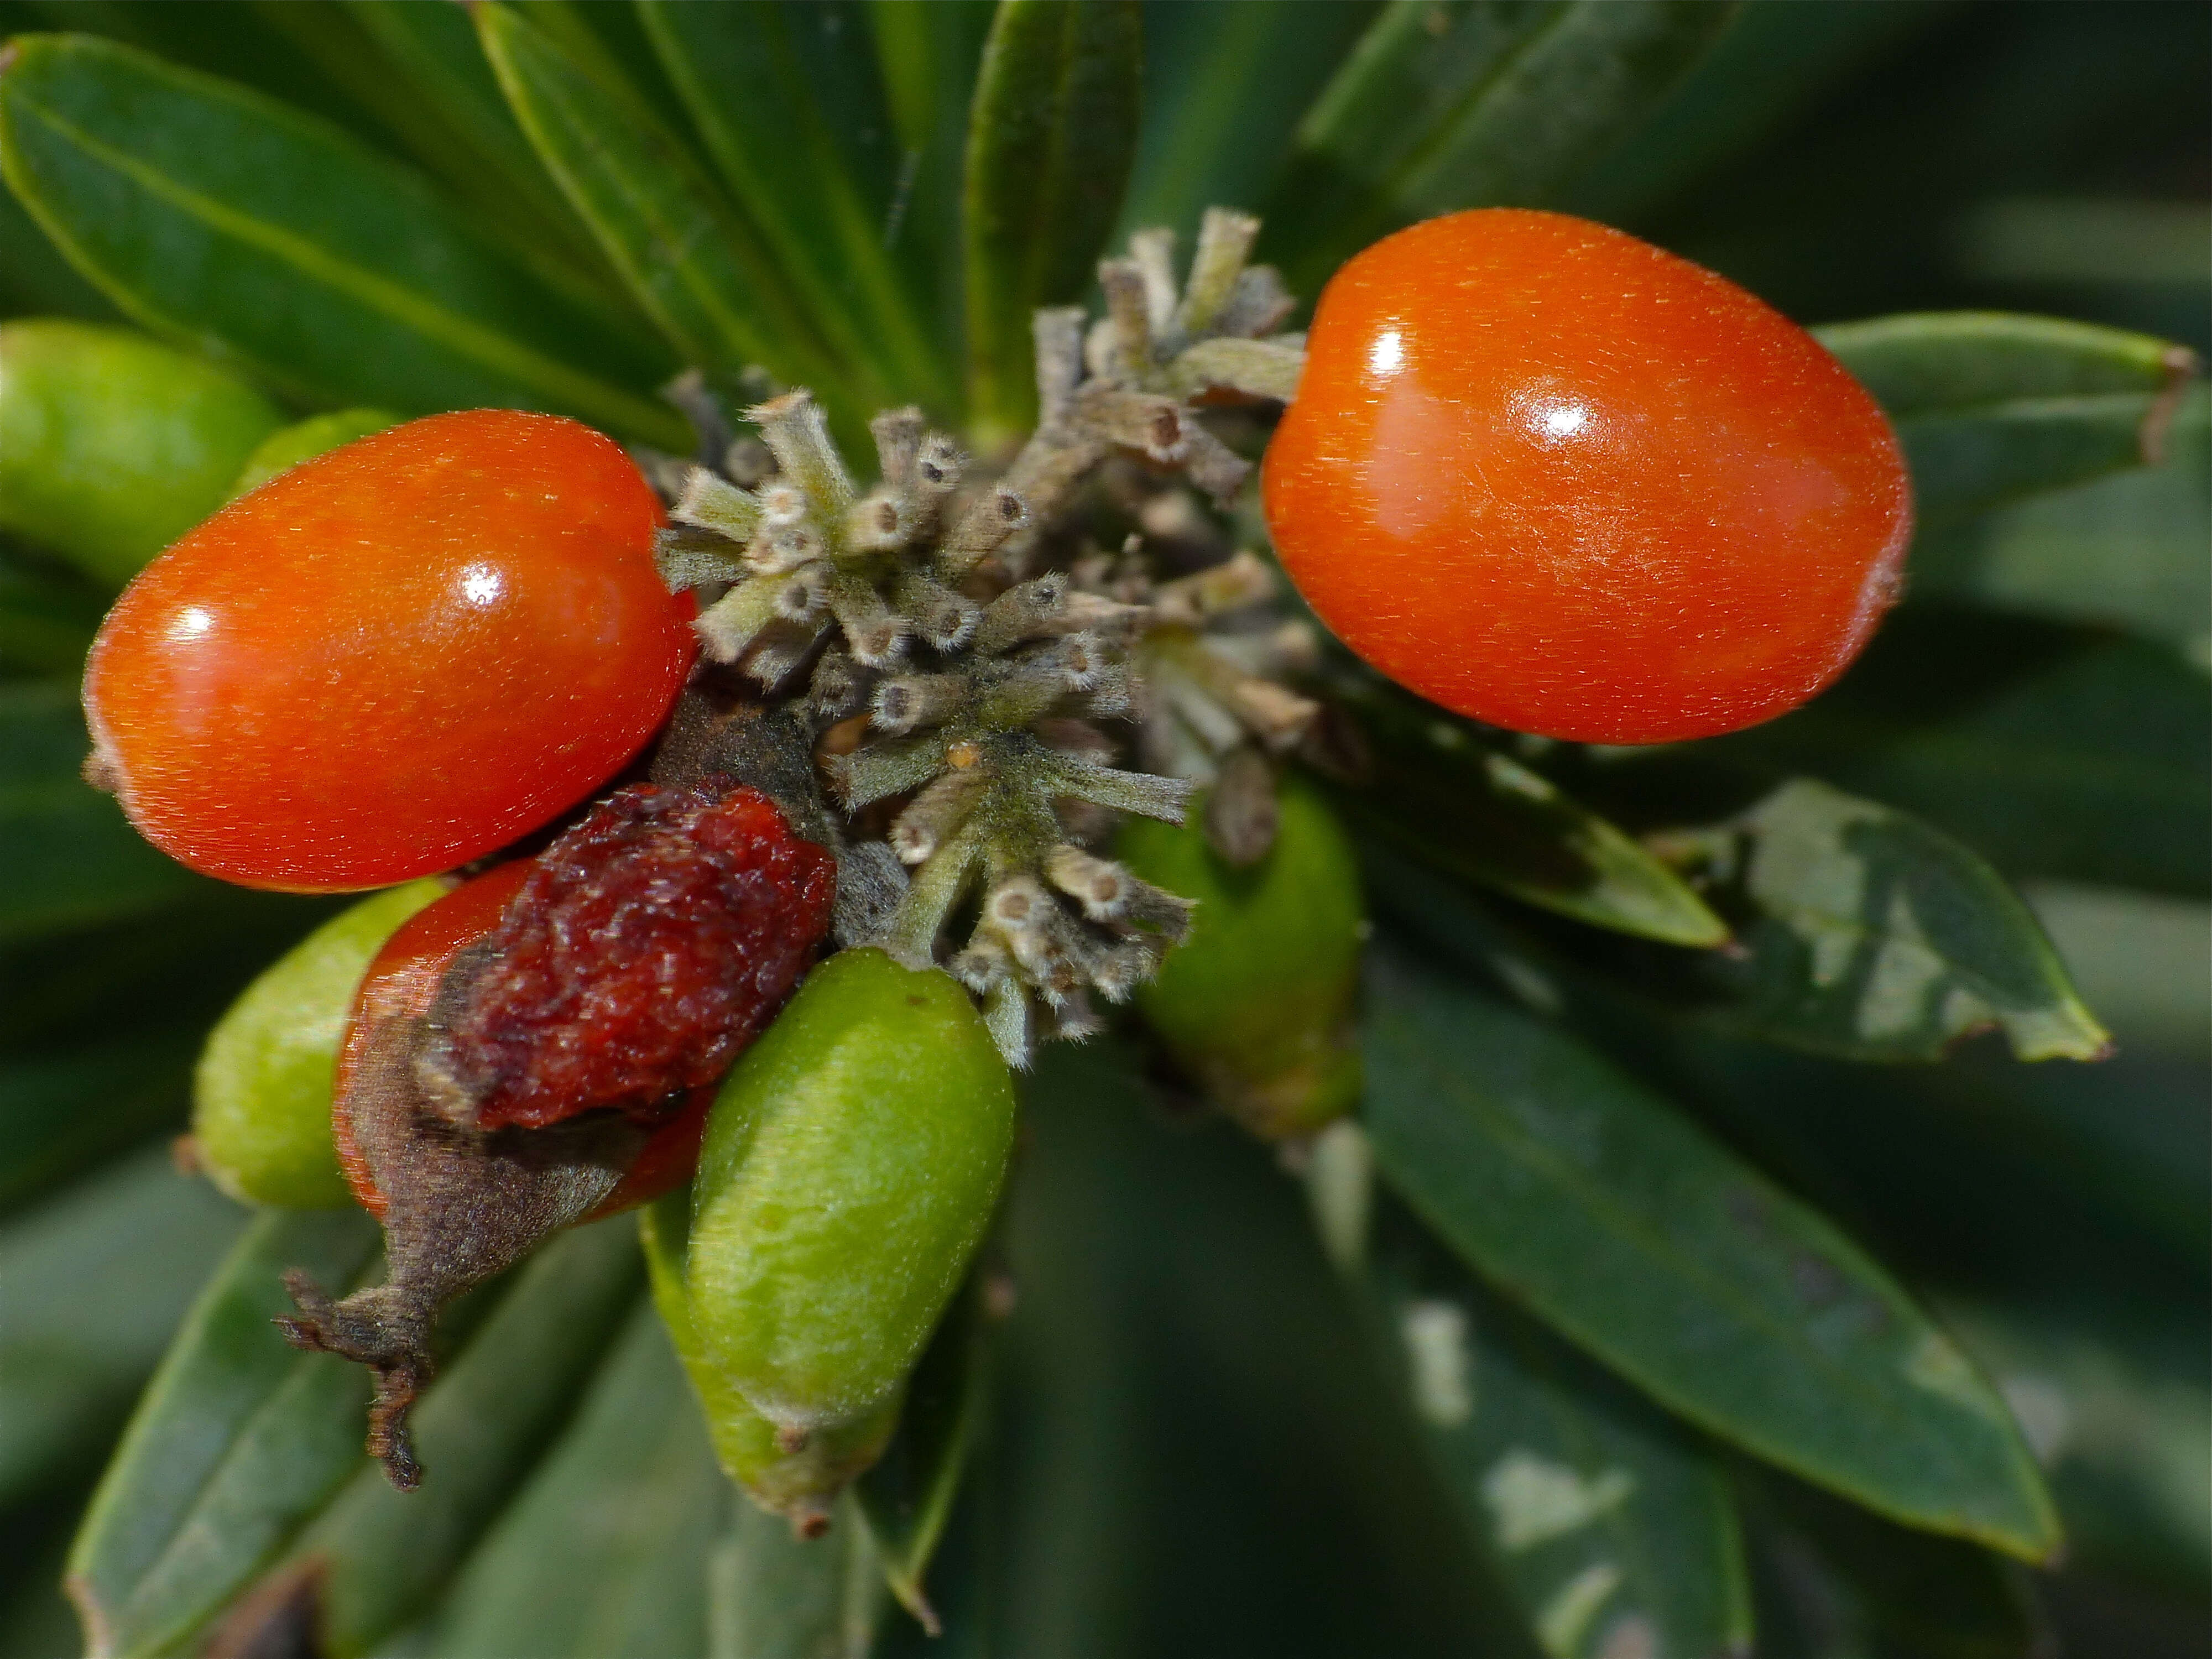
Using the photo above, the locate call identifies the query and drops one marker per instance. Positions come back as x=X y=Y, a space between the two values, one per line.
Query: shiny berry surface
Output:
x=648 y=945
x=392 y=658
x=1557 y=479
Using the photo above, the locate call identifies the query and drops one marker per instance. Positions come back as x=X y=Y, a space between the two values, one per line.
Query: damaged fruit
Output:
x=1555 y=478
x=601 y=1050
x=852 y=1164
x=1257 y=1003
x=261 y=1095
x=392 y=658
x=647 y=946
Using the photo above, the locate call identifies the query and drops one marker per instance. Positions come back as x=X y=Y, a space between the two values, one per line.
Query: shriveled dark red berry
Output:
x=649 y=944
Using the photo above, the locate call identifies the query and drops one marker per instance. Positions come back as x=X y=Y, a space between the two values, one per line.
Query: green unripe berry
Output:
x=851 y=1166
x=797 y=1481
x=261 y=1097
x=285 y=447
x=1257 y=1002
x=112 y=445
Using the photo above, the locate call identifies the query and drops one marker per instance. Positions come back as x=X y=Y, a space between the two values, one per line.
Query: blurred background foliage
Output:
x=1196 y=1446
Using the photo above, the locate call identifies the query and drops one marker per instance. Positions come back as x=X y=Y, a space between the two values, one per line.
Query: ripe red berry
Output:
x=392 y=658
x=1555 y=478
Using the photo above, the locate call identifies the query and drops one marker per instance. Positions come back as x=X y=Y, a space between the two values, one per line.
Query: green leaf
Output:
x=605 y=1550
x=1473 y=103
x=1612 y=1528
x=245 y=1450
x=65 y=1111
x=700 y=273
x=91 y=1283
x=2126 y=551
x=2135 y=955
x=2122 y=1441
x=71 y=857
x=1445 y=797
x=790 y=106
x=219 y=217
x=59 y=992
x=237 y=1440
x=1050 y=138
x=48 y=614
x=479 y=1430
x=1906 y=1593
x=927 y=56
x=35 y=281
x=419 y=70
x=908 y=1497
x=773 y=1595
x=1224 y=87
x=1582 y=1196
x=1865 y=934
x=2052 y=752
x=1767 y=68
x=1991 y=407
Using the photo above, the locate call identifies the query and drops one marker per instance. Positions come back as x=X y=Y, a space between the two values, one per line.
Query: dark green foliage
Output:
x=1681 y=1164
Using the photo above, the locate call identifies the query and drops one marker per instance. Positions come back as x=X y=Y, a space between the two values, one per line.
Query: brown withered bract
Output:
x=461 y=1206
x=463 y=1203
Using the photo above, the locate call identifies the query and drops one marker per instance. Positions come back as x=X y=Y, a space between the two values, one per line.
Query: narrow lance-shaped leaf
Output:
x=907 y=1497
x=66 y=1110
x=1991 y=407
x=1472 y=103
x=1866 y=934
x=2121 y=1428
x=1770 y=65
x=2050 y=752
x=1469 y=810
x=47 y=615
x=604 y=1551
x=1612 y=1530
x=237 y=1440
x=701 y=275
x=480 y=1431
x=419 y=70
x=926 y=57
x=791 y=109
x=1903 y=1592
x=35 y=280
x=1050 y=142
x=1224 y=88
x=1592 y=1203
x=774 y=1595
x=2125 y=551
x=91 y=1282
x=71 y=857
x=224 y=218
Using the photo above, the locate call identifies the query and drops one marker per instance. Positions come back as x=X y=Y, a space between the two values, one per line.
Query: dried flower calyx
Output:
x=974 y=671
